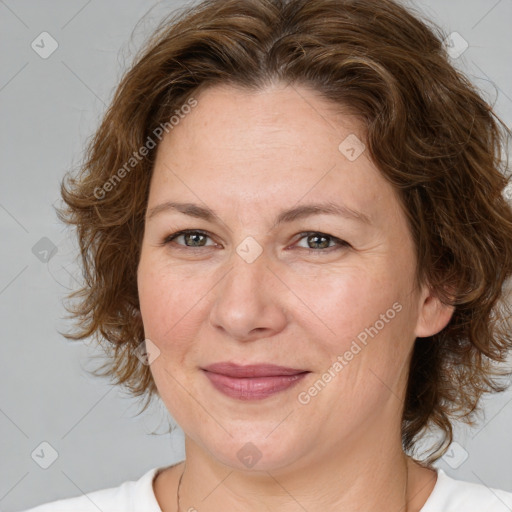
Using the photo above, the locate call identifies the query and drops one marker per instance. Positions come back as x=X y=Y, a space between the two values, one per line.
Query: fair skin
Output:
x=248 y=156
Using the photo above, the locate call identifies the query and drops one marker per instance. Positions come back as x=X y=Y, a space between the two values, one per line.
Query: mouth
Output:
x=252 y=382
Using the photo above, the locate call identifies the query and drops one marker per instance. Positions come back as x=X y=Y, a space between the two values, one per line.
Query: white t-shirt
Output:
x=448 y=495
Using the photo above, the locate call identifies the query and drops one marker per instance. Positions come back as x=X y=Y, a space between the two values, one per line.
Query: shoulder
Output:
x=451 y=495
x=130 y=495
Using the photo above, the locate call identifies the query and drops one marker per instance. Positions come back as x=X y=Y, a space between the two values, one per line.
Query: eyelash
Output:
x=340 y=243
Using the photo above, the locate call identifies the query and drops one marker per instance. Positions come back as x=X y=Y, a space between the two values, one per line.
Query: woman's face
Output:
x=331 y=294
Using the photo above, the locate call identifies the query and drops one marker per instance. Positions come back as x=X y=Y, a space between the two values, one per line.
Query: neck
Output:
x=379 y=481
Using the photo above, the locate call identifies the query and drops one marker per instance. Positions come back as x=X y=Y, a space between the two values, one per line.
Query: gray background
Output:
x=49 y=108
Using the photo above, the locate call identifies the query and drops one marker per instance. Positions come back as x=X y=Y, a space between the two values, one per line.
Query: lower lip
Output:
x=253 y=388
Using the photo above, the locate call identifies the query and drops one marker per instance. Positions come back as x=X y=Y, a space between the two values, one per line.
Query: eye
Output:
x=321 y=241
x=196 y=238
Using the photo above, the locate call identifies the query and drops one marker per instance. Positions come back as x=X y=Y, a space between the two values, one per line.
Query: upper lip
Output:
x=251 y=370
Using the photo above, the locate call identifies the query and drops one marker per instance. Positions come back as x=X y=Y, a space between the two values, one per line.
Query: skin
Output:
x=248 y=156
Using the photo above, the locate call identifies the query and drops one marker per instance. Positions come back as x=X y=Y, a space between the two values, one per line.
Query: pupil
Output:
x=194 y=236
x=316 y=237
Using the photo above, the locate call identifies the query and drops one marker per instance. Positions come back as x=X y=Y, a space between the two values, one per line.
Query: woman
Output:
x=294 y=232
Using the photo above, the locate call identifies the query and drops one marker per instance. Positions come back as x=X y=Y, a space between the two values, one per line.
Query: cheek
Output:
x=167 y=302
x=369 y=327
x=347 y=302
x=332 y=304
x=170 y=319
x=175 y=303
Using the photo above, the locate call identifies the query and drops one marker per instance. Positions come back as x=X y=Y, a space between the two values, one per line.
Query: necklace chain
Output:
x=179 y=484
x=406 y=508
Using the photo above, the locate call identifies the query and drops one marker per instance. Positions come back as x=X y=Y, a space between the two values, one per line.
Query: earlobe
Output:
x=433 y=316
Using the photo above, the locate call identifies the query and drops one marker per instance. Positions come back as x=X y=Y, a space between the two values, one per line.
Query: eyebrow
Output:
x=289 y=215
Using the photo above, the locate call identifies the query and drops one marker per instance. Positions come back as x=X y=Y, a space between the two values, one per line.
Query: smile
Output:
x=253 y=382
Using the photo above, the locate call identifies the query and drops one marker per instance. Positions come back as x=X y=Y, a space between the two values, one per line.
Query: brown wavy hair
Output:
x=426 y=127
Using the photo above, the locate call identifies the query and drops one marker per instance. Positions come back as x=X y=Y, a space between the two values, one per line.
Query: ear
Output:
x=433 y=315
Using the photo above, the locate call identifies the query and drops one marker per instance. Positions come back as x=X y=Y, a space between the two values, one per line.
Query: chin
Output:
x=256 y=452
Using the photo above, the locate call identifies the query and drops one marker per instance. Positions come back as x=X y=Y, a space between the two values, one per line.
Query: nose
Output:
x=248 y=301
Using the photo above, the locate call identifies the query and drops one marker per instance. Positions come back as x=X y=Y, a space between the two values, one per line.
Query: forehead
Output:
x=274 y=118
x=245 y=149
